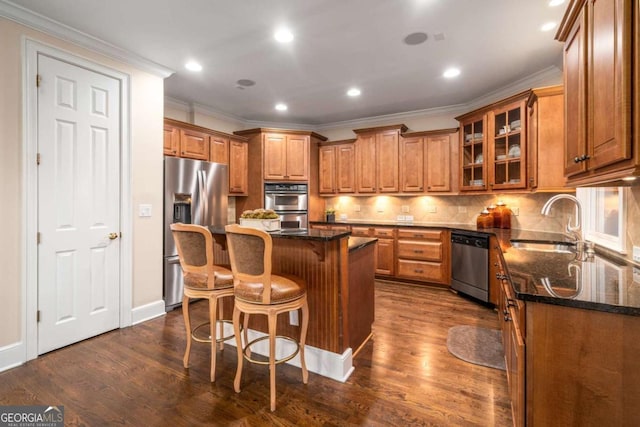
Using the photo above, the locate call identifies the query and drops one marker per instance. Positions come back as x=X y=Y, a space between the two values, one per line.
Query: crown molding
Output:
x=548 y=76
x=54 y=28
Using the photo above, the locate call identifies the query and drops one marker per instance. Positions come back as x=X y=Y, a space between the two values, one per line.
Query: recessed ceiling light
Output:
x=415 y=38
x=548 y=26
x=451 y=72
x=354 y=91
x=281 y=107
x=193 y=66
x=283 y=35
x=554 y=3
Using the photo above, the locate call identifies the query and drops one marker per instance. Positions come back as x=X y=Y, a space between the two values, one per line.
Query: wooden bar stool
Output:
x=202 y=279
x=257 y=291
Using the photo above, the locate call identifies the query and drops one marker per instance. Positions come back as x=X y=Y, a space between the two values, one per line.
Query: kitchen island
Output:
x=339 y=272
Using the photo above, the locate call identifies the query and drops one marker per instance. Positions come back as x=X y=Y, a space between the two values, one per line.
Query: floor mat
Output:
x=477 y=345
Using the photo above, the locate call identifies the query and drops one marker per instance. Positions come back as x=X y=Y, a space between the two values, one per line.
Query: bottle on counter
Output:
x=504 y=214
x=484 y=220
x=495 y=220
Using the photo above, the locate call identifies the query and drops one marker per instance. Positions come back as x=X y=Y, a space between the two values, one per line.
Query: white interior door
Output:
x=78 y=203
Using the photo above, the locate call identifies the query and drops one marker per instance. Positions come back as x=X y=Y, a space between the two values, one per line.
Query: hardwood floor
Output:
x=404 y=376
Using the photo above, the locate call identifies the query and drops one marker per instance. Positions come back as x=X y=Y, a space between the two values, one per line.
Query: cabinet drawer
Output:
x=383 y=232
x=408 y=233
x=360 y=231
x=421 y=270
x=420 y=250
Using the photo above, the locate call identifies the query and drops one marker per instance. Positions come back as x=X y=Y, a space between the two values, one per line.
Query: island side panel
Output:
x=361 y=295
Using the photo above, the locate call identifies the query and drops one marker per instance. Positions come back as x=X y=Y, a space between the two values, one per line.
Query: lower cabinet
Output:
x=409 y=253
x=423 y=255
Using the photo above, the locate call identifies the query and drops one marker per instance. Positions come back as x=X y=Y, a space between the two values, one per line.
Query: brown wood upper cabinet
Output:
x=496 y=152
x=598 y=66
x=286 y=157
x=336 y=170
x=196 y=142
x=238 y=167
x=377 y=159
x=425 y=161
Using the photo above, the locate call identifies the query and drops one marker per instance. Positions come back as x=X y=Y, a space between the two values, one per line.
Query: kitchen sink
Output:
x=544 y=246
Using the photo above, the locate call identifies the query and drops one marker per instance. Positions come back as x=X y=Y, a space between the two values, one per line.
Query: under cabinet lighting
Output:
x=554 y=3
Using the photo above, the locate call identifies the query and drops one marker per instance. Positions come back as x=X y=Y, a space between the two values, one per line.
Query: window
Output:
x=604 y=216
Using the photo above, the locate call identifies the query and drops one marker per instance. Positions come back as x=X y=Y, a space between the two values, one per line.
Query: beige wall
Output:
x=146 y=157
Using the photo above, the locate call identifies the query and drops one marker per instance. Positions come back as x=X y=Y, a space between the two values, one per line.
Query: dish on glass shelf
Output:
x=514 y=181
x=501 y=156
x=479 y=158
x=515 y=125
x=476 y=182
x=514 y=151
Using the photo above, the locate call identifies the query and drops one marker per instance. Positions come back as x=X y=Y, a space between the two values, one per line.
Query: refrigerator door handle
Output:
x=203 y=200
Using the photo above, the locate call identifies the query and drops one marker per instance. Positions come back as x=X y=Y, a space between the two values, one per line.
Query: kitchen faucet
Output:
x=574 y=230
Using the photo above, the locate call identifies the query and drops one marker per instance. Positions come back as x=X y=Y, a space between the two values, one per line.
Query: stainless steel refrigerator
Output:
x=195 y=192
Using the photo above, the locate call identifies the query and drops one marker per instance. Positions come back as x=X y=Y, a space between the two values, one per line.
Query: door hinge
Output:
x=38 y=80
x=38 y=316
x=38 y=237
x=38 y=159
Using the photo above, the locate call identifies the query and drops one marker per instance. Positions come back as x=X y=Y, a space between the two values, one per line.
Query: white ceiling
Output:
x=338 y=44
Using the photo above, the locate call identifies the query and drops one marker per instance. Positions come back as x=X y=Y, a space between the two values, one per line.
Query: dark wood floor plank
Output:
x=404 y=375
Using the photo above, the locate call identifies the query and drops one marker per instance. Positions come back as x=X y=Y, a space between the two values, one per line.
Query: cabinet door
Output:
x=275 y=156
x=473 y=154
x=238 y=167
x=575 y=59
x=345 y=173
x=385 y=257
x=609 y=88
x=516 y=368
x=412 y=161
x=194 y=144
x=171 y=141
x=366 y=163
x=297 y=158
x=218 y=149
x=327 y=170
x=438 y=162
x=507 y=147
x=387 y=161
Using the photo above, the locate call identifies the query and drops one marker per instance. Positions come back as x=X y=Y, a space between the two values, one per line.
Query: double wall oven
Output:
x=290 y=201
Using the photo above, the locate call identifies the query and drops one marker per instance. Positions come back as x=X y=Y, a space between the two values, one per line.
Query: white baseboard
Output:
x=147 y=312
x=12 y=355
x=322 y=362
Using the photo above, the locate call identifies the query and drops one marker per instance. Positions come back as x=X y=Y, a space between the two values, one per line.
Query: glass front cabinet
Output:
x=493 y=147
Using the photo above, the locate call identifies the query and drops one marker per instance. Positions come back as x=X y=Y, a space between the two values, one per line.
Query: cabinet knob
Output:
x=576 y=159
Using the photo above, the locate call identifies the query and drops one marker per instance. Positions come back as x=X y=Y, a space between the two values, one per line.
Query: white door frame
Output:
x=29 y=291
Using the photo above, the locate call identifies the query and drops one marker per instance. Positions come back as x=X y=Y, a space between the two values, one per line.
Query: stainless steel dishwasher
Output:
x=470 y=264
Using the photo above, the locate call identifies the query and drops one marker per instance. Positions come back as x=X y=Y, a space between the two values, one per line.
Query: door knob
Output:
x=113 y=236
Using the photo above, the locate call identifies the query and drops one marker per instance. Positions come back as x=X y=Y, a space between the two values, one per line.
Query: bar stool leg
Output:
x=220 y=325
x=236 y=331
x=303 y=337
x=213 y=315
x=245 y=326
x=187 y=325
x=273 y=317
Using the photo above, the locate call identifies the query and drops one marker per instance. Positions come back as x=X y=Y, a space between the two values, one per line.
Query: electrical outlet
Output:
x=356 y=208
x=144 y=211
x=405 y=209
x=400 y=218
x=293 y=318
x=431 y=209
x=636 y=275
x=462 y=209
x=515 y=211
x=343 y=217
x=636 y=253
x=408 y=218
x=380 y=209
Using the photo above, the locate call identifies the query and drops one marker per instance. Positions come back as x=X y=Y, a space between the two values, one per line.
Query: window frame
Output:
x=592 y=206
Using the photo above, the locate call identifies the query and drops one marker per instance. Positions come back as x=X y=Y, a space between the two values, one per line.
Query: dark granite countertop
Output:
x=602 y=282
x=356 y=243
x=306 y=234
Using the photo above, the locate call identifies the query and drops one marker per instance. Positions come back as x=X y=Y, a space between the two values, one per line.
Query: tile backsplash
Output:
x=460 y=209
